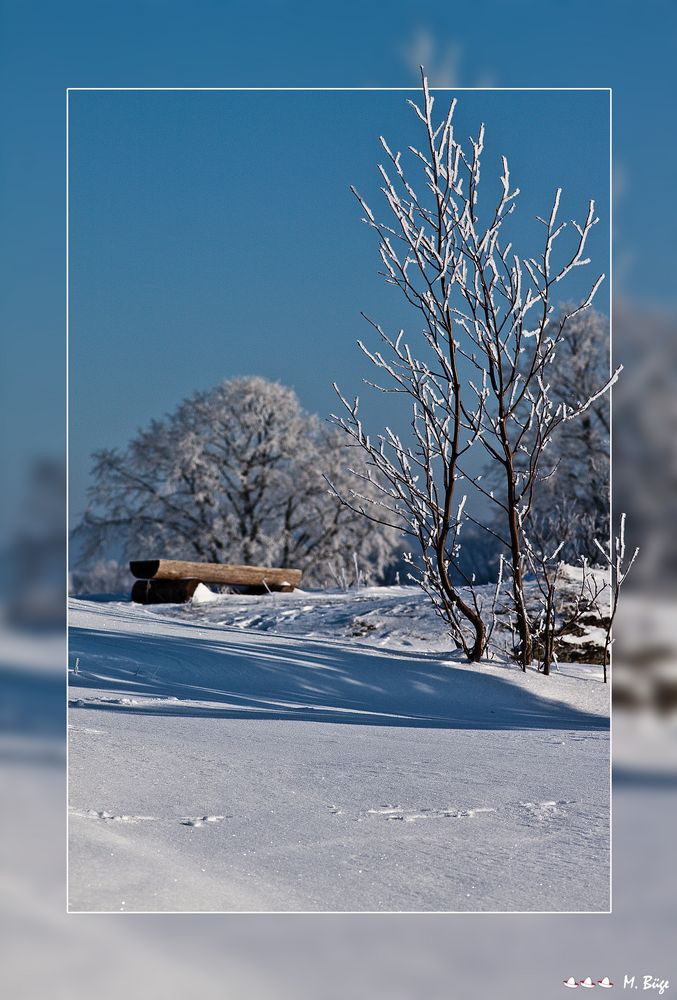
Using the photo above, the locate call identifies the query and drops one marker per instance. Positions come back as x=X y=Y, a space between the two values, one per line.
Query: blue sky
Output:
x=46 y=47
x=214 y=234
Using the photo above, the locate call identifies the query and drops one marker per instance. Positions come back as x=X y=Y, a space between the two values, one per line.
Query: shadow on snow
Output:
x=304 y=681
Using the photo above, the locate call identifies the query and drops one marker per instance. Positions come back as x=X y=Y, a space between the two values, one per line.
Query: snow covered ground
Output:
x=323 y=751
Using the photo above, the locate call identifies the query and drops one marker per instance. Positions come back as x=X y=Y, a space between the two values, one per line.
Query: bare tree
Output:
x=615 y=558
x=235 y=474
x=595 y=602
x=557 y=609
x=484 y=308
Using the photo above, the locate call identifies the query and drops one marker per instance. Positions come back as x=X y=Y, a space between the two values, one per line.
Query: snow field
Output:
x=221 y=767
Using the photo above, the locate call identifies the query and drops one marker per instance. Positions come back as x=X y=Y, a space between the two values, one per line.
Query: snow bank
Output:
x=217 y=767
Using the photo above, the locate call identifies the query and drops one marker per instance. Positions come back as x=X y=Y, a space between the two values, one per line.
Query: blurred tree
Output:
x=645 y=448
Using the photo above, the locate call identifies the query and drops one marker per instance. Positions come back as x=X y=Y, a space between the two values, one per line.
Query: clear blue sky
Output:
x=45 y=47
x=213 y=234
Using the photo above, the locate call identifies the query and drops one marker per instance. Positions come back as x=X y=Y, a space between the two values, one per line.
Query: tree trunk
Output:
x=549 y=638
x=477 y=650
x=523 y=624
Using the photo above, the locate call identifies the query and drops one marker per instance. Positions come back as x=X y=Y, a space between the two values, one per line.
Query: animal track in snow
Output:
x=201 y=820
x=102 y=814
x=427 y=812
x=545 y=811
x=539 y=812
x=109 y=817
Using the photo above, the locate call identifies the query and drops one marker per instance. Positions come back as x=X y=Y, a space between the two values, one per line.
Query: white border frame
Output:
x=385 y=913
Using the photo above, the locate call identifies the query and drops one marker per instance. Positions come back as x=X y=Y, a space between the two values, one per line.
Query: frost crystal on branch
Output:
x=485 y=310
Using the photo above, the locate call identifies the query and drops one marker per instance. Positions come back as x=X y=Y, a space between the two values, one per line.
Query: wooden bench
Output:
x=174 y=581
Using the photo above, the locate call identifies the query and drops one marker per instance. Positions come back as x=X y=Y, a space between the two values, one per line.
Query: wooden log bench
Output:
x=174 y=581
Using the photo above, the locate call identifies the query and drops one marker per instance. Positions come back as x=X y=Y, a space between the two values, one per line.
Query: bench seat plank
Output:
x=176 y=569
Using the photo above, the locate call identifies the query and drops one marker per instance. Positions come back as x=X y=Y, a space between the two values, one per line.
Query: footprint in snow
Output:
x=547 y=811
x=102 y=814
x=201 y=820
x=427 y=812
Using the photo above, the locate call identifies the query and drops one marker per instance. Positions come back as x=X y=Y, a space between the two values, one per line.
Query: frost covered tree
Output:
x=573 y=503
x=477 y=377
x=234 y=474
